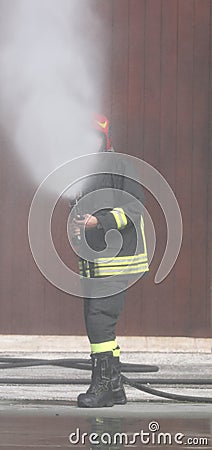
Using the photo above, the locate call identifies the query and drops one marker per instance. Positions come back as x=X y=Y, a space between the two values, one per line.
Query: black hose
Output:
x=68 y=381
x=169 y=395
x=178 y=381
x=82 y=364
x=130 y=382
x=86 y=365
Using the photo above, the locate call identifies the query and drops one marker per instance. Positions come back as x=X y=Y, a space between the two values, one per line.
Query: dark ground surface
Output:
x=48 y=426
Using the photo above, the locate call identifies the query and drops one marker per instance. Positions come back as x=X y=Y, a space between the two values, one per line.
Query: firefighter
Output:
x=101 y=313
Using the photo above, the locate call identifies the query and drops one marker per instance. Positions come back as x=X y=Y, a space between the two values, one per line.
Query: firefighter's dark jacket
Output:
x=124 y=214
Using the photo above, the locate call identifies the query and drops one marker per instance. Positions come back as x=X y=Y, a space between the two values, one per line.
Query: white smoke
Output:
x=49 y=80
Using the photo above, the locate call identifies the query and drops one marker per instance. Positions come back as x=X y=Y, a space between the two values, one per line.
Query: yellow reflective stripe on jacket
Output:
x=119 y=265
x=120 y=260
x=88 y=270
x=123 y=215
x=85 y=269
x=103 y=346
x=143 y=235
x=86 y=273
x=119 y=217
x=103 y=271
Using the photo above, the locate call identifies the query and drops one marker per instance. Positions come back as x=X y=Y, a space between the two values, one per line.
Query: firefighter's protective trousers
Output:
x=101 y=316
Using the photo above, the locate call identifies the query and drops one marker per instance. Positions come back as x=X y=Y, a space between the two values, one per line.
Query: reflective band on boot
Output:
x=104 y=346
x=116 y=351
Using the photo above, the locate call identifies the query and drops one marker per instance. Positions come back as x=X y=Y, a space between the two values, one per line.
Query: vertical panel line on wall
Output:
x=144 y=84
x=209 y=180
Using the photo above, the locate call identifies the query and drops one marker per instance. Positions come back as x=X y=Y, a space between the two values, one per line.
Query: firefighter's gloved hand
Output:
x=88 y=222
x=77 y=225
x=74 y=228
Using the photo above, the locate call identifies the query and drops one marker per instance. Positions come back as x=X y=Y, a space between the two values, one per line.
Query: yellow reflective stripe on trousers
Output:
x=120 y=260
x=104 y=347
x=119 y=217
x=103 y=271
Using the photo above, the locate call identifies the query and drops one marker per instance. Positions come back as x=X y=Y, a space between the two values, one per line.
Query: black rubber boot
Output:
x=118 y=390
x=99 y=393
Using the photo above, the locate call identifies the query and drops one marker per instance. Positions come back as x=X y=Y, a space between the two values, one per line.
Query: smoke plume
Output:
x=49 y=80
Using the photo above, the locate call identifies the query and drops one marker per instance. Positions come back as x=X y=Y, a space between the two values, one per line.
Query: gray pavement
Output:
x=171 y=365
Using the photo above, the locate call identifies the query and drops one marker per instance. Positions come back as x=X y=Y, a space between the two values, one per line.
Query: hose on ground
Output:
x=83 y=364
